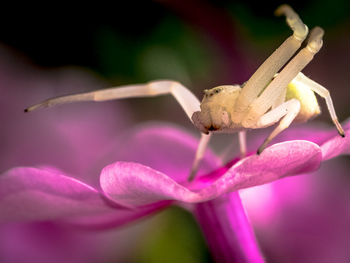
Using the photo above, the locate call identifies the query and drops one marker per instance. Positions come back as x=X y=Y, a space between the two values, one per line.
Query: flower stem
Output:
x=226 y=228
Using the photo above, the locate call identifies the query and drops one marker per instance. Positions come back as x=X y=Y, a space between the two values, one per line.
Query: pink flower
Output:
x=130 y=190
x=150 y=174
x=126 y=185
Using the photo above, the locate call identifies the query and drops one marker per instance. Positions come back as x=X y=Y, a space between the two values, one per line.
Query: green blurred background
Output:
x=199 y=43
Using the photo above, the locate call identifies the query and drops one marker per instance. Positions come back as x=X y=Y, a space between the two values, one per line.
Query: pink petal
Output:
x=34 y=194
x=332 y=144
x=30 y=194
x=154 y=144
x=133 y=184
x=336 y=146
x=278 y=161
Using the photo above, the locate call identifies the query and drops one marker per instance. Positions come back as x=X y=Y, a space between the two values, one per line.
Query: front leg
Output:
x=187 y=100
x=272 y=64
x=287 y=111
x=279 y=84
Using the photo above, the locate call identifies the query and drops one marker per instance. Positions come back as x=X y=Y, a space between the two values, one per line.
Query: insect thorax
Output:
x=217 y=108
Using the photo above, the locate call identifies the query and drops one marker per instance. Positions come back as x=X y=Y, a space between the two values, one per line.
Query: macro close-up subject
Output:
x=179 y=131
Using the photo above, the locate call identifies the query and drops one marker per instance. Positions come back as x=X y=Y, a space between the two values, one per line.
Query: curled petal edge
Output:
x=133 y=184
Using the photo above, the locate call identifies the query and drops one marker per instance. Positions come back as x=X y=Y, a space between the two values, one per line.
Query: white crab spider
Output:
x=265 y=99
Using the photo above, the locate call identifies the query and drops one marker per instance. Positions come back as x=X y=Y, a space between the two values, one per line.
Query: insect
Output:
x=270 y=96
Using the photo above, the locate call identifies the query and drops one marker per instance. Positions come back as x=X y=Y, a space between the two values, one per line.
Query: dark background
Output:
x=215 y=42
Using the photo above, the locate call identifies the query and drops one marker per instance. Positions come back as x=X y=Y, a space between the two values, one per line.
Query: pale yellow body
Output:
x=309 y=107
x=218 y=108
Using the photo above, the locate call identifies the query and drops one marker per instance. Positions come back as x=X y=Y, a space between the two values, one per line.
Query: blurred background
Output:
x=60 y=48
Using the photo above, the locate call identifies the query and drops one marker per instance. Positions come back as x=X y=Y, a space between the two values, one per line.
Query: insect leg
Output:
x=202 y=146
x=278 y=85
x=273 y=64
x=242 y=139
x=287 y=111
x=187 y=100
x=301 y=79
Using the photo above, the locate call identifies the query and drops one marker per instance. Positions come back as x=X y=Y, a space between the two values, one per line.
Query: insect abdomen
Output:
x=308 y=102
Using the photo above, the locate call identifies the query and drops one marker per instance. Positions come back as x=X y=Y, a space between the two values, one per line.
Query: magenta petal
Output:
x=336 y=146
x=134 y=184
x=227 y=230
x=28 y=194
x=278 y=161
